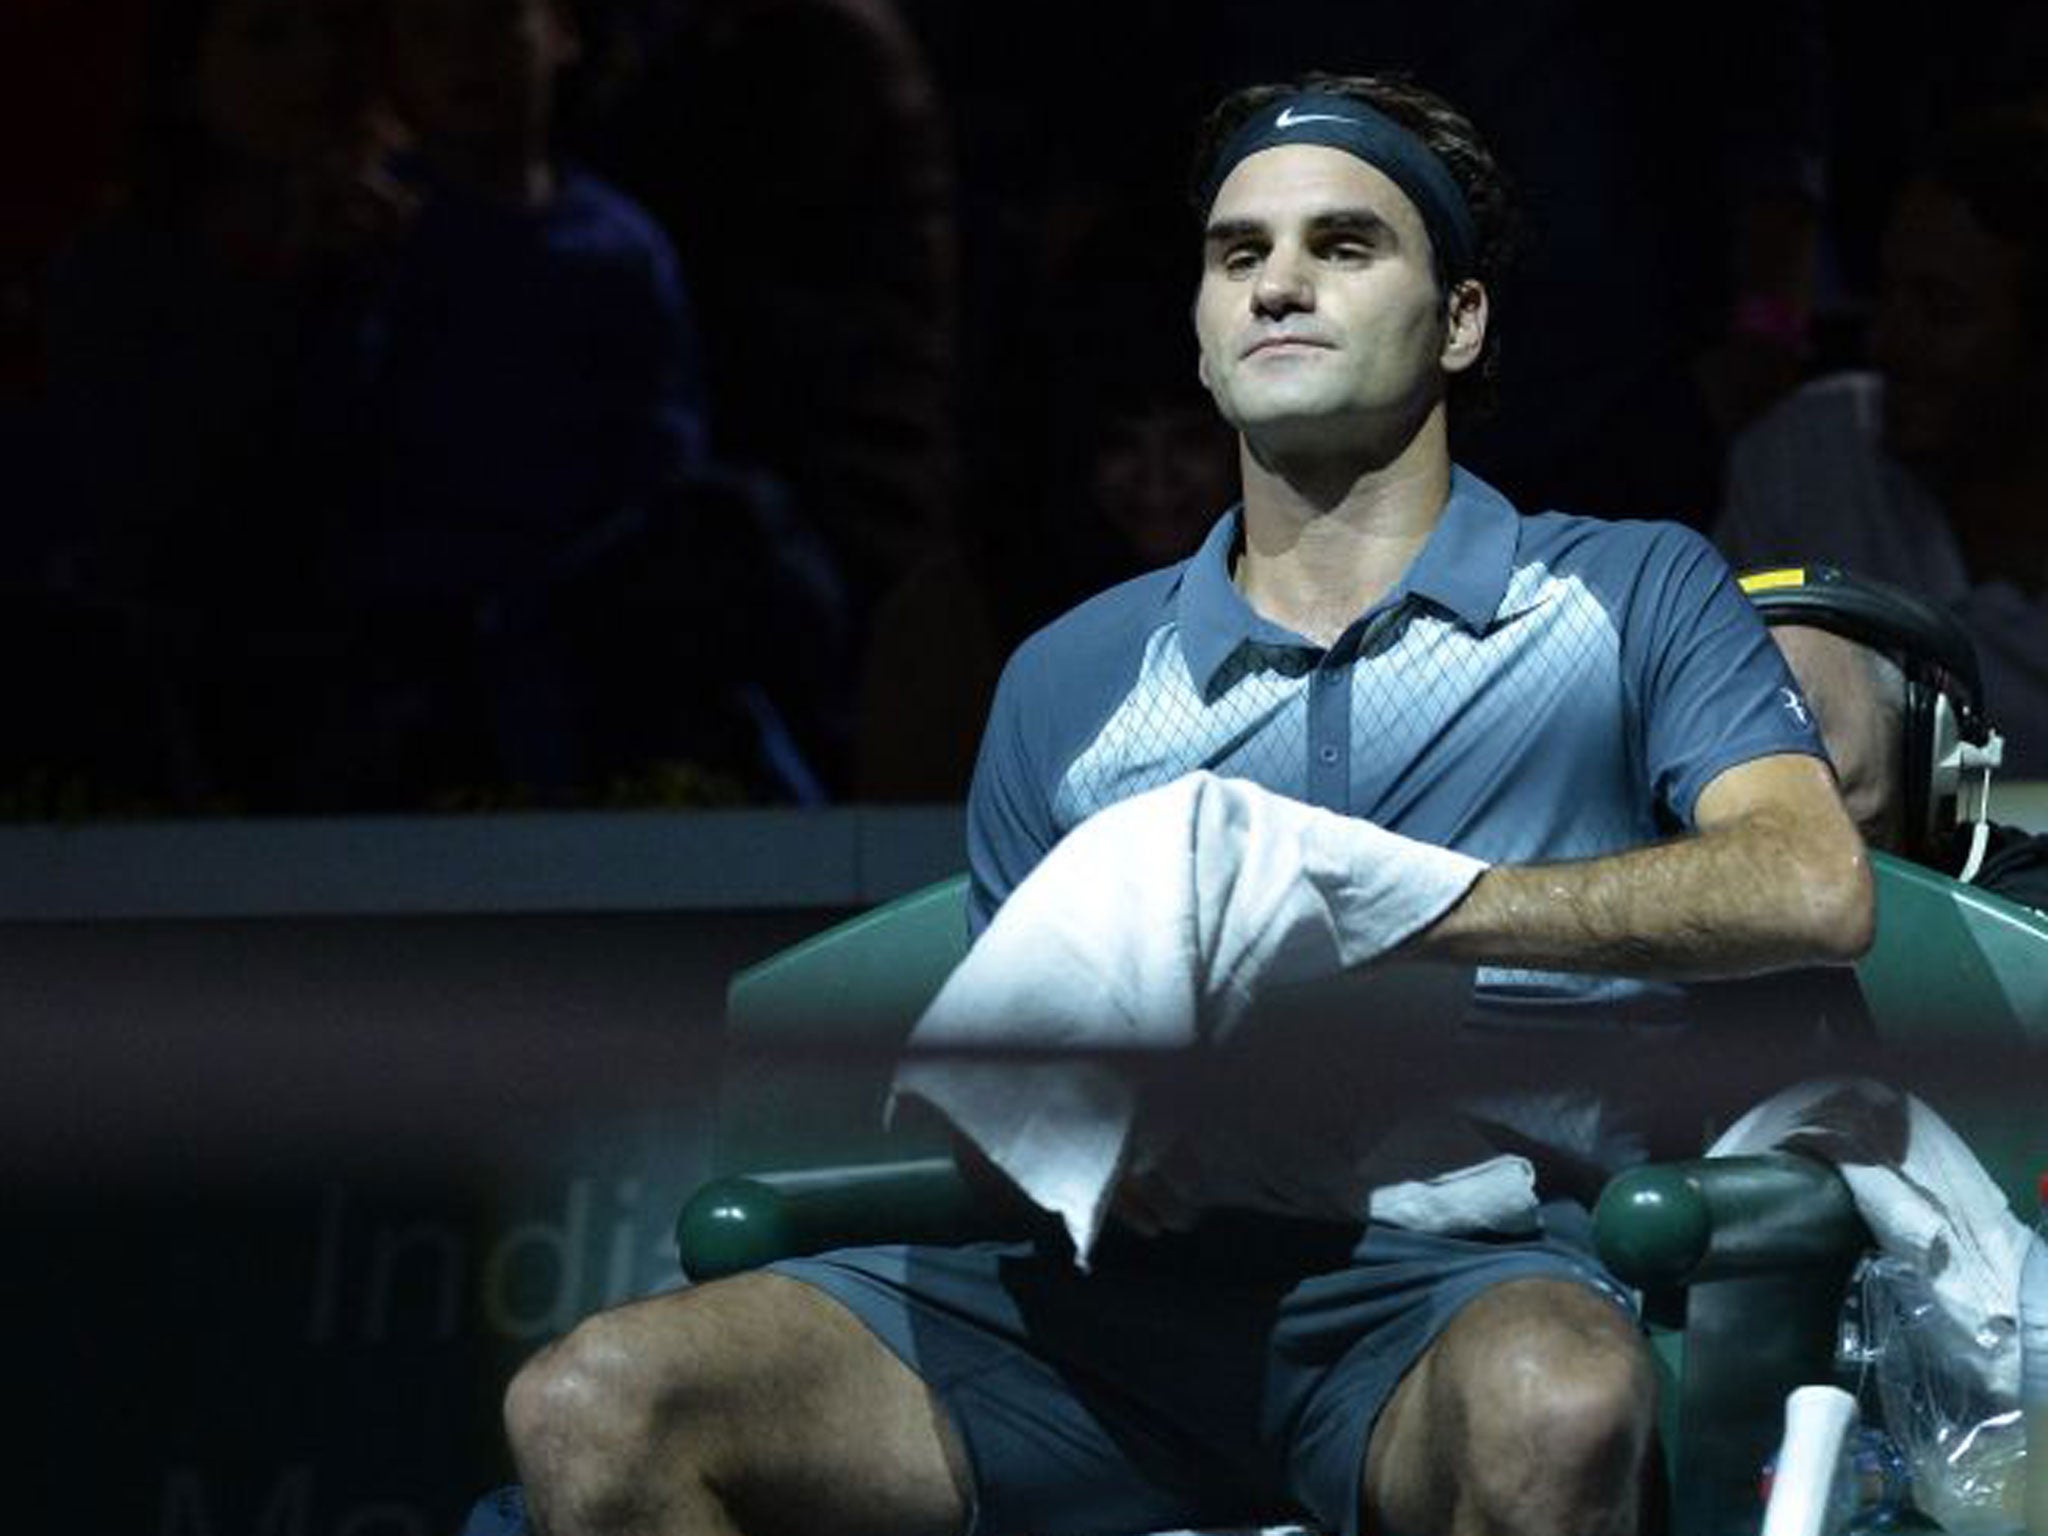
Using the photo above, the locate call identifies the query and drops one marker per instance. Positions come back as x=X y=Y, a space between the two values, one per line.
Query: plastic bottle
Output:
x=1872 y=1488
x=2034 y=1371
x=1807 y=1495
x=1883 y=1483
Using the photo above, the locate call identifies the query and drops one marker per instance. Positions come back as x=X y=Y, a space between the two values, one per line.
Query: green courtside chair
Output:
x=803 y=1159
x=1743 y=1261
x=1762 y=1248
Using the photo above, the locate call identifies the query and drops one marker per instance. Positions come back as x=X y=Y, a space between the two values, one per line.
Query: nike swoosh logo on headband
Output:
x=1289 y=118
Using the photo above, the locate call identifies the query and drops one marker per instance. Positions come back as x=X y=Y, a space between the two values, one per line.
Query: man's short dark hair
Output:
x=1451 y=135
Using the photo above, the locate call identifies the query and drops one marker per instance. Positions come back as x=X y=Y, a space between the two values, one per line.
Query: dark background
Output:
x=936 y=263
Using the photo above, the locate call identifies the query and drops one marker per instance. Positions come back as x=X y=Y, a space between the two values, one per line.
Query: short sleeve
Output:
x=1053 y=696
x=1711 y=688
x=1009 y=808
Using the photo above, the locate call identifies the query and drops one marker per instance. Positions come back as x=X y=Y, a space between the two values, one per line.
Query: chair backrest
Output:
x=1955 y=968
x=1952 y=960
x=811 y=1035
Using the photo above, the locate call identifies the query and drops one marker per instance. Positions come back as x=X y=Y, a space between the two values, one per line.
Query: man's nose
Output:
x=1284 y=286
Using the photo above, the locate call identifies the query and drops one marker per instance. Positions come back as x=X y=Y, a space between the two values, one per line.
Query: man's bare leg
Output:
x=755 y=1405
x=1530 y=1415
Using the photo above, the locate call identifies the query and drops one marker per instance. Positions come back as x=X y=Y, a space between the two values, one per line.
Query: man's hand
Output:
x=1775 y=876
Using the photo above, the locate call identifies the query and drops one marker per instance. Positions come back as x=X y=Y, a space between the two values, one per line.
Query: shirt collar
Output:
x=1470 y=556
x=1463 y=568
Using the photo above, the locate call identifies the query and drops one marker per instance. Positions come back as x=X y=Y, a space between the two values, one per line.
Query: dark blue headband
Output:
x=1342 y=122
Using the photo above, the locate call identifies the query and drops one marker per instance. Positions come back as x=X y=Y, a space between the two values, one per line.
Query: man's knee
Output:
x=1559 y=1407
x=631 y=1408
x=582 y=1419
x=752 y=1403
x=1530 y=1414
x=1555 y=1398
x=592 y=1385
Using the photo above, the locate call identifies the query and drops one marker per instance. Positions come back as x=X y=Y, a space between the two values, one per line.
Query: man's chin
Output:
x=1295 y=419
x=1294 y=437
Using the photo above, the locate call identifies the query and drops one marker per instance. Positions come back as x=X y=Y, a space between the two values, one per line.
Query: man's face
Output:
x=1318 y=315
x=1858 y=726
x=1949 y=334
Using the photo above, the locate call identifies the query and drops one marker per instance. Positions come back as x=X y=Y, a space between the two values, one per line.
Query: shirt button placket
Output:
x=1329 y=739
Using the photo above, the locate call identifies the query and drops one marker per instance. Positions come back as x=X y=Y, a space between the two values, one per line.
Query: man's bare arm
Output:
x=1776 y=875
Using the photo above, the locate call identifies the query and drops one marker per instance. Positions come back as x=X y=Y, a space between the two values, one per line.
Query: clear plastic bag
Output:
x=1964 y=1444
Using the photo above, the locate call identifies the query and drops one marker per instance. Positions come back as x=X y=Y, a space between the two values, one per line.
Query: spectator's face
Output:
x=1861 y=732
x=289 y=81
x=1162 y=475
x=1949 y=335
x=1318 y=314
x=479 y=68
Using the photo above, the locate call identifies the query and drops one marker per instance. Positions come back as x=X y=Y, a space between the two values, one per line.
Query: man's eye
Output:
x=1349 y=250
x=1240 y=260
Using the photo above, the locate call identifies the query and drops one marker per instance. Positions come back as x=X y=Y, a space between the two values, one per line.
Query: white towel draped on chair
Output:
x=1153 y=928
x=1925 y=1197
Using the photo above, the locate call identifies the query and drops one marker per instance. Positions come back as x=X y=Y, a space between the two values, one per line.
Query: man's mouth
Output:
x=1286 y=343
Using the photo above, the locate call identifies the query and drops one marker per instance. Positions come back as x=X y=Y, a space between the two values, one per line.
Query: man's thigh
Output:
x=1361 y=1339
x=1148 y=1394
x=776 y=1400
x=1112 y=1400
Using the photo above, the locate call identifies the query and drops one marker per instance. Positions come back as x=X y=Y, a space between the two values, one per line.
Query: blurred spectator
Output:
x=534 y=340
x=527 y=386
x=796 y=152
x=256 y=192
x=1898 y=86
x=385 y=450
x=67 y=78
x=194 y=459
x=1138 y=463
x=1140 y=467
x=1931 y=470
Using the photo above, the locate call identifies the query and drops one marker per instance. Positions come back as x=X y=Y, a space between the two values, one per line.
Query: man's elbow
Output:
x=1837 y=901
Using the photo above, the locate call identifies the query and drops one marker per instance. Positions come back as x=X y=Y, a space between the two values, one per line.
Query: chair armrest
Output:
x=1662 y=1224
x=1718 y=1218
x=748 y=1220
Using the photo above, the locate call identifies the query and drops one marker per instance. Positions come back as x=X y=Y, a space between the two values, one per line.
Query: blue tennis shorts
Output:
x=1221 y=1377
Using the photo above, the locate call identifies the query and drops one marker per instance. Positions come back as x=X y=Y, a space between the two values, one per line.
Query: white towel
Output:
x=1925 y=1197
x=1151 y=928
x=1498 y=1195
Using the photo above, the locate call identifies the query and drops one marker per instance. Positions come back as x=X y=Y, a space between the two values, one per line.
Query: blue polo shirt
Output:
x=1534 y=689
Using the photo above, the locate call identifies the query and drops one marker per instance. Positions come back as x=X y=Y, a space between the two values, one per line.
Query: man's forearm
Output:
x=1759 y=894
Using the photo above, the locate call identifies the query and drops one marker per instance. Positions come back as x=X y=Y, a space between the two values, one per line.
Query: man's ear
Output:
x=1465 y=315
